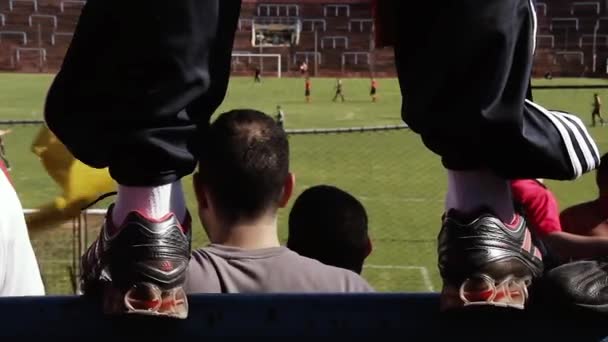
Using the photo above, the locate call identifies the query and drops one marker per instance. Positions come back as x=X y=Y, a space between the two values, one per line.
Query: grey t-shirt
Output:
x=222 y=269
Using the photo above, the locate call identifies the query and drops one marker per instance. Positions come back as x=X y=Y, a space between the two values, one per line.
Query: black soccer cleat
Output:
x=581 y=284
x=139 y=267
x=484 y=261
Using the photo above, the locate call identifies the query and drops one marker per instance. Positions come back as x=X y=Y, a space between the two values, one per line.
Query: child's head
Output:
x=329 y=225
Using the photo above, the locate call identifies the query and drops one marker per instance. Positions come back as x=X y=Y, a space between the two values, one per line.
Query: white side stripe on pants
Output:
x=575 y=137
x=534 y=25
x=589 y=149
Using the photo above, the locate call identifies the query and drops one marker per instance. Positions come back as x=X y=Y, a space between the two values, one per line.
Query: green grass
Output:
x=399 y=181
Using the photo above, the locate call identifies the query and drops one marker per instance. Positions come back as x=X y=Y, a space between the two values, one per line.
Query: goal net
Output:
x=245 y=63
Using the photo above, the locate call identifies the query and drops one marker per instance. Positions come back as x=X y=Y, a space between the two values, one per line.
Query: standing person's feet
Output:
x=140 y=266
x=484 y=261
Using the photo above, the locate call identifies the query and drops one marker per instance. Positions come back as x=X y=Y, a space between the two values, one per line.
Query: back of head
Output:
x=601 y=175
x=329 y=225
x=244 y=161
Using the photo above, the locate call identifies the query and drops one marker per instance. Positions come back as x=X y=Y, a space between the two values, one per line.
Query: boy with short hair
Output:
x=243 y=180
x=330 y=225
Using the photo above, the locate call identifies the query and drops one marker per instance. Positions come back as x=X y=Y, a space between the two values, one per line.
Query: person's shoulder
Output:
x=200 y=257
x=201 y=276
x=528 y=190
x=202 y=253
x=350 y=281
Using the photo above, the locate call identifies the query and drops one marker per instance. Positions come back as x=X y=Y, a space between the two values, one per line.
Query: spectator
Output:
x=475 y=111
x=3 y=149
x=19 y=273
x=541 y=211
x=329 y=225
x=136 y=111
x=243 y=179
x=590 y=218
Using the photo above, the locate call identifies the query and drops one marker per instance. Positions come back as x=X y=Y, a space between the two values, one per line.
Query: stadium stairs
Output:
x=565 y=38
x=564 y=45
x=48 y=27
x=405 y=317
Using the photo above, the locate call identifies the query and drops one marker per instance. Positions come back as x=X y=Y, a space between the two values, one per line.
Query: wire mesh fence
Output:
x=400 y=183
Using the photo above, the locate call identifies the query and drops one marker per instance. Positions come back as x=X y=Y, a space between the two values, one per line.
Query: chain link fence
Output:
x=400 y=183
x=387 y=168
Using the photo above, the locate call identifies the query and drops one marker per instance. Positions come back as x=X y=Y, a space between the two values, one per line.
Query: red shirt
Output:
x=307 y=85
x=540 y=206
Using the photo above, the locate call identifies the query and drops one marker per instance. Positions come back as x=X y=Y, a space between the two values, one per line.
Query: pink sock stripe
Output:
x=513 y=225
x=527 y=245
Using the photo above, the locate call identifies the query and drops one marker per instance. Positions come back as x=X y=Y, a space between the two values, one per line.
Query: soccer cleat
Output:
x=486 y=262
x=581 y=284
x=139 y=267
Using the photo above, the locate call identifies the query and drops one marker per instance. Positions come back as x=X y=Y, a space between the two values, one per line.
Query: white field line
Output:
x=422 y=269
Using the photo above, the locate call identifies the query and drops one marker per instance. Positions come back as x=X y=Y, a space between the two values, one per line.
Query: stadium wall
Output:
x=407 y=317
x=564 y=46
x=307 y=2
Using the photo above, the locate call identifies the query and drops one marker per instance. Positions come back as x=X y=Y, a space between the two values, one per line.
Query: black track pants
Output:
x=139 y=80
x=464 y=68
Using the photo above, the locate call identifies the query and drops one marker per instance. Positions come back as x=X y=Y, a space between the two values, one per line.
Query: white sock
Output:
x=468 y=191
x=154 y=202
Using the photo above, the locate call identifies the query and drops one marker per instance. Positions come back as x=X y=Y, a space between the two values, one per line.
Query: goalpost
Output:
x=238 y=58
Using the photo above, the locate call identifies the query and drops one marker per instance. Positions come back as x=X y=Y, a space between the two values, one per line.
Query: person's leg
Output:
x=471 y=109
x=119 y=101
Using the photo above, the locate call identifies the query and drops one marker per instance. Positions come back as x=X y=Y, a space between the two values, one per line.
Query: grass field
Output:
x=398 y=180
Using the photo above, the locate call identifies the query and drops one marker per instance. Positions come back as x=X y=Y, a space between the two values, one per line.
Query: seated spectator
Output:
x=541 y=210
x=329 y=225
x=590 y=218
x=19 y=273
x=243 y=180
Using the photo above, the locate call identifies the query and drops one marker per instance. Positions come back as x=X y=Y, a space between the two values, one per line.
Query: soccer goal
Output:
x=246 y=63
